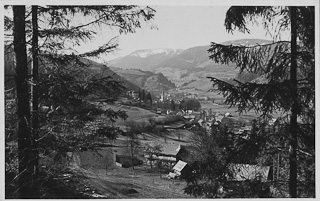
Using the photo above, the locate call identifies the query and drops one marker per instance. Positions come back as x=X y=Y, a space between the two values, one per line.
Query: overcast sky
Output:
x=179 y=27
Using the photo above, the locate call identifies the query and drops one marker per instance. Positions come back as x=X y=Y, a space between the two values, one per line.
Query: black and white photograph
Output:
x=159 y=99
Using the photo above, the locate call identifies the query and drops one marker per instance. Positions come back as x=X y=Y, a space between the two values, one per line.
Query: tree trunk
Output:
x=294 y=107
x=35 y=97
x=23 y=109
x=132 y=154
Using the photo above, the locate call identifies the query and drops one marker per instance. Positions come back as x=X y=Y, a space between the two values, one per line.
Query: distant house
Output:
x=171 y=113
x=133 y=94
x=200 y=122
x=219 y=118
x=179 y=113
x=189 y=117
x=208 y=125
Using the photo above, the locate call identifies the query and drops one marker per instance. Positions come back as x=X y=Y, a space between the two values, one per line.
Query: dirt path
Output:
x=129 y=186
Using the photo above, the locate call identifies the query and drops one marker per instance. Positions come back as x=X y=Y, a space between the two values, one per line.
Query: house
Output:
x=126 y=161
x=200 y=122
x=189 y=117
x=219 y=118
x=158 y=112
x=133 y=94
x=180 y=168
x=167 y=157
x=180 y=113
x=208 y=125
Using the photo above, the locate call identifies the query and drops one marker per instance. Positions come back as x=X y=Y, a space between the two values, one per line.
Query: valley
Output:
x=144 y=181
x=165 y=101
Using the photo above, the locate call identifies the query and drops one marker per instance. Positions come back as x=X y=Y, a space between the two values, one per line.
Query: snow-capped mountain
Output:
x=182 y=66
x=144 y=59
x=149 y=52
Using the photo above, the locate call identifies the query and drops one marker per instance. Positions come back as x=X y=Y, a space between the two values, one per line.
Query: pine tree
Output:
x=22 y=87
x=35 y=99
x=143 y=95
x=290 y=93
x=173 y=105
x=149 y=98
x=65 y=81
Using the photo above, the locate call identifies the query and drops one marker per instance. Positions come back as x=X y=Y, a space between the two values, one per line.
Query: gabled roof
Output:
x=168 y=149
x=180 y=165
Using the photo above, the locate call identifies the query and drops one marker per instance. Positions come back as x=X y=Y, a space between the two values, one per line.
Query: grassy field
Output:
x=142 y=182
x=126 y=183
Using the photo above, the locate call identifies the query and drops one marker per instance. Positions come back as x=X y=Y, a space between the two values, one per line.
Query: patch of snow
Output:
x=150 y=52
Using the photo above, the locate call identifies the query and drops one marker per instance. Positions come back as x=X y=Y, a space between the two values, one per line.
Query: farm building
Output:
x=182 y=169
x=126 y=161
x=167 y=157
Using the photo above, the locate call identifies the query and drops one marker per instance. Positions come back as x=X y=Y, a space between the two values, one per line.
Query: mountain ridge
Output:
x=184 y=65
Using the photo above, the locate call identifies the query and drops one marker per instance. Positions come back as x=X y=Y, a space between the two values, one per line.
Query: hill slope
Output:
x=94 y=67
x=182 y=66
x=145 y=79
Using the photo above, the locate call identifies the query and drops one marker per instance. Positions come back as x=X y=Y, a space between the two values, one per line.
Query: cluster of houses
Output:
x=178 y=158
x=204 y=118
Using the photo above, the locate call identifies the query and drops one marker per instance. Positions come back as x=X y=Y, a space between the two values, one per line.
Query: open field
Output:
x=124 y=183
x=142 y=182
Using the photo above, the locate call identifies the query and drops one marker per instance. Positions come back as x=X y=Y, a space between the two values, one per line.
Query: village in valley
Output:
x=165 y=157
x=197 y=104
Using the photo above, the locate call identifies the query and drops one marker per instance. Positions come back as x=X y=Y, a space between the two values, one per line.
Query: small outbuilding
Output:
x=127 y=161
x=179 y=170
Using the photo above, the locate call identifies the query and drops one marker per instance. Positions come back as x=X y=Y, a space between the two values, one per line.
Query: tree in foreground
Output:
x=23 y=110
x=65 y=82
x=288 y=85
x=214 y=173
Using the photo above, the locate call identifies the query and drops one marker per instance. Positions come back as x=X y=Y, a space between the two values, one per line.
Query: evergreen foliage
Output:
x=189 y=104
x=68 y=121
x=288 y=85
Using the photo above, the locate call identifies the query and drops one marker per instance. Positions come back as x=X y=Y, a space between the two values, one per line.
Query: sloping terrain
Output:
x=182 y=66
x=93 y=67
x=145 y=79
